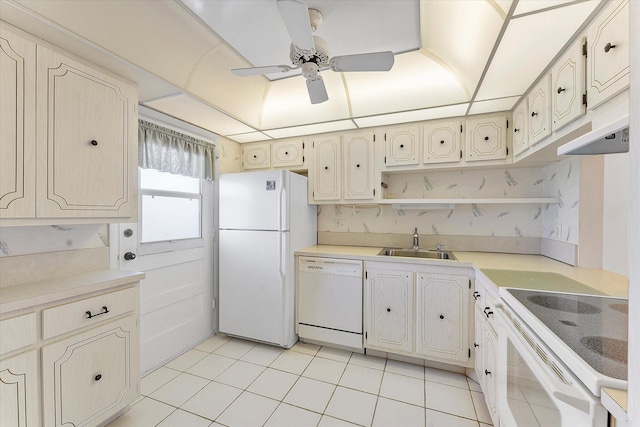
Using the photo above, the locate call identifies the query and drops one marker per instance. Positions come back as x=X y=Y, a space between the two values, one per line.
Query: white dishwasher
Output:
x=329 y=308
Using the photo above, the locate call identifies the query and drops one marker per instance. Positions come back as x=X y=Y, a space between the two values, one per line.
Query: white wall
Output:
x=615 y=230
x=230 y=156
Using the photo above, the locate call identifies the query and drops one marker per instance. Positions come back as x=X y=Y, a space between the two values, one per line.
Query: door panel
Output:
x=253 y=201
x=252 y=281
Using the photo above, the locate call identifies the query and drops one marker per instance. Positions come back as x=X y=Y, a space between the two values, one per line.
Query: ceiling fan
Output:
x=311 y=53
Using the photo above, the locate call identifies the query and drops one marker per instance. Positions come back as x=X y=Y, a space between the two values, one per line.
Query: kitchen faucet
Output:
x=416 y=243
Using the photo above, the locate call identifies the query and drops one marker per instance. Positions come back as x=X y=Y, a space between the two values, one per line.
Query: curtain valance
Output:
x=166 y=150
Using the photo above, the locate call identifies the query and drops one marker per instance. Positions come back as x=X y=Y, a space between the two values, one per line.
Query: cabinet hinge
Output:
x=366 y=335
x=385 y=160
x=469 y=283
x=303 y=145
x=584 y=49
x=507 y=123
x=584 y=99
x=507 y=151
x=469 y=352
x=374 y=137
x=366 y=275
x=461 y=154
x=385 y=136
x=374 y=192
x=313 y=144
x=460 y=128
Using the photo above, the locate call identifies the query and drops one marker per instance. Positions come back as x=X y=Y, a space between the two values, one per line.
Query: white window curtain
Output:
x=169 y=151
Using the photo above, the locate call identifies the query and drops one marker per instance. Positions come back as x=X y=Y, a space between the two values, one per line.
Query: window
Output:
x=171 y=207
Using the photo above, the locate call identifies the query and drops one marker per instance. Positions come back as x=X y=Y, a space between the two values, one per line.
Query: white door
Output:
x=253 y=285
x=176 y=296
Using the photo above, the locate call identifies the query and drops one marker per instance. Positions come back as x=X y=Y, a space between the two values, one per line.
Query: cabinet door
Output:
x=257 y=156
x=478 y=344
x=19 y=390
x=441 y=142
x=389 y=310
x=540 y=111
x=442 y=306
x=401 y=146
x=17 y=126
x=520 y=128
x=358 y=154
x=489 y=372
x=287 y=154
x=86 y=147
x=90 y=376
x=326 y=170
x=608 y=57
x=568 y=86
x=486 y=139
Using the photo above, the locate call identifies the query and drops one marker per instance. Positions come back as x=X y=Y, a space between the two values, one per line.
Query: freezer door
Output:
x=253 y=285
x=254 y=201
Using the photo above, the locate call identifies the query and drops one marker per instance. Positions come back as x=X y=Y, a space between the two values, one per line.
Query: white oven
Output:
x=534 y=387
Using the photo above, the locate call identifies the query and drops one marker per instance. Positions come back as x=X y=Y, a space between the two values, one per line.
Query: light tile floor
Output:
x=236 y=383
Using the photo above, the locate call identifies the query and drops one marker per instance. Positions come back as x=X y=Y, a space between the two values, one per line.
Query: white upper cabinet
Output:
x=358 y=154
x=608 y=53
x=540 y=111
x=326 y=171
x=568 y=86
x=287 y=154
x=486 y=139
x=17 y=126
x=86 y=140
x=256 y=156
x=521 y=127
x=401 y=146
x=442 y=142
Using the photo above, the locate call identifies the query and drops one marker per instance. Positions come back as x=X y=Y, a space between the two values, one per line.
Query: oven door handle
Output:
x=564 y=392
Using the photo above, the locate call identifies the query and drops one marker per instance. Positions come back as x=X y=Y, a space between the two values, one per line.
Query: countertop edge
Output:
x=19 y=297
x=615 y=401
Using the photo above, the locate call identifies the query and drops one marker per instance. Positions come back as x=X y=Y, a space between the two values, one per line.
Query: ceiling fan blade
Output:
x=317 y=90
x=376 y=61
x=254 y=71
x=295 y=16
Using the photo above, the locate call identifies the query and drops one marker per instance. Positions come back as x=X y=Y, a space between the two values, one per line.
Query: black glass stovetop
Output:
x=595 y=327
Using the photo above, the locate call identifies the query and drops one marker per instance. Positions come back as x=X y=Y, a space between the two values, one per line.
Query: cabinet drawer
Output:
x=66 y=318
x=17 y=332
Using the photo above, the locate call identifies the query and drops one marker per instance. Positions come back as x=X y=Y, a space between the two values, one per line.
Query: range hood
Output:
x=611 y=138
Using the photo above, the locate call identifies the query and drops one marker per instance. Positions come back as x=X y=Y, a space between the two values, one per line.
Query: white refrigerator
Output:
x=264 y=219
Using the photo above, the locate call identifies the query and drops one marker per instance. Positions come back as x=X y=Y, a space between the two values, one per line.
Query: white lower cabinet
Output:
x=19 y=390
x=442 y=310
x=88 y=377
x=418 y=310
x=389 y=310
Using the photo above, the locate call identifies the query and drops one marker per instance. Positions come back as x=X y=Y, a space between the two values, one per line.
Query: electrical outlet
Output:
x=558 y=233
x=338 y=224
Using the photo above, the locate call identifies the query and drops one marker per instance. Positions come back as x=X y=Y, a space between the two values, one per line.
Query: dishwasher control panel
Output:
x=333 y=266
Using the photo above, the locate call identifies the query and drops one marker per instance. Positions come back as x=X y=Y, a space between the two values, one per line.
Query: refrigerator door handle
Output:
x=282 y=210
x=283 y=255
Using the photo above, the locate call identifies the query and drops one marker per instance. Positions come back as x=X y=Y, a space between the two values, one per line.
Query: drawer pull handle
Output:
x=534 y=114
x=476 y=295
x=487 y=311
x=608 y=47
x=476 y=345
x=487 y=372
x=98 y=377
x=561 y=89
x=516 y=130
x=105 y=310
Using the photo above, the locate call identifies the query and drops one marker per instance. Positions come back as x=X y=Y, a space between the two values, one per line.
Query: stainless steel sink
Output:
x=418 y=254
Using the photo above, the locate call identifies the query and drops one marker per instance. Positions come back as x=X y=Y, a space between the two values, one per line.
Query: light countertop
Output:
x=22 y=296
x=615 y=401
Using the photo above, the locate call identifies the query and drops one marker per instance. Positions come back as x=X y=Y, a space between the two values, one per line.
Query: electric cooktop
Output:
x=594 y=327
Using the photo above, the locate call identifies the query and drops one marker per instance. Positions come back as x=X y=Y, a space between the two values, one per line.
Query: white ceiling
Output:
x=451 y=57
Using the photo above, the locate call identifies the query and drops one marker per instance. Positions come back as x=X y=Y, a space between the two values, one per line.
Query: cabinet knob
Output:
x=98 y=377
x=561 y=89
x=516 y=130
x=487 y=372
x=442 y=141
x=401 y=145
x=286 y=153
x=441 y=316
x=486 y=138
x=254 y=156
x=129 y=256
x=534 y=114
x=326 y=167
x=94 y=142
x=358 y=165
x=388 y=309
x=608 y=47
